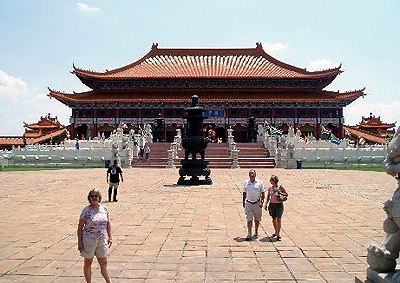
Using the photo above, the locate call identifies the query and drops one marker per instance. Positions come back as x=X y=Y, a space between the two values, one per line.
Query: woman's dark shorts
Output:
x=275 y=210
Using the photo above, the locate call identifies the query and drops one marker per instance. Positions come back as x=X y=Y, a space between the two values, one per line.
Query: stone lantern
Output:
x=194 y=143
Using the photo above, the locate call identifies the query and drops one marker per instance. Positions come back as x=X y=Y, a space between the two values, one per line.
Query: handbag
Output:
x=282 y=197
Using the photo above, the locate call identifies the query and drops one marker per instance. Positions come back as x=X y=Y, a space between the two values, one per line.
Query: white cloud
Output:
x=23 y=103
x=389 y=112
x=12 y=87
x=271 y=48
x=321 y=64
x=86 y=8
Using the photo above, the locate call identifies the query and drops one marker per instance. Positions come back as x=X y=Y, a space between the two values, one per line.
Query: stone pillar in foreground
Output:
x=382 y=257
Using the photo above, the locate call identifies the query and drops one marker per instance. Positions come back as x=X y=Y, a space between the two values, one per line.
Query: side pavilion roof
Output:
x=246 y=63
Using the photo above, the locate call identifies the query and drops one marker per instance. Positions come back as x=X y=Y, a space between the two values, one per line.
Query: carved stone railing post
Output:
x=290 y=160
x=178 y=145
x=230 y=136
x=179 y=137
x=174 y=147
x=170 y=159
x=261 y=133
x=232 y=145
x=235 y=158
x=278 y=158
x=272 y=146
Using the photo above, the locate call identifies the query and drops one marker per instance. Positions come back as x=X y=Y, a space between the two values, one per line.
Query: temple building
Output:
x=233 y=85
x=47 y=130
x=371 y=130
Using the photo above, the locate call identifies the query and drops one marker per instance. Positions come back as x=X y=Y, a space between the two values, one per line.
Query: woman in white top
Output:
x=275 y=207
x=93 y=228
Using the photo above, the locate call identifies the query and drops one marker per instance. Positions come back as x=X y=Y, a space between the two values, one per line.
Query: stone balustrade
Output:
x=91 y=153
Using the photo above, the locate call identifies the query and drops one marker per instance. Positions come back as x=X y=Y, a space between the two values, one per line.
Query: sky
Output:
x=41 y=40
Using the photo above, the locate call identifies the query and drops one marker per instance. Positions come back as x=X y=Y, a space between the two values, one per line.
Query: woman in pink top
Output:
x=275 y=207
x=93 y=228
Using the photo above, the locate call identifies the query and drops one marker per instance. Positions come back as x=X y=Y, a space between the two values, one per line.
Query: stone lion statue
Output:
x=383 y=257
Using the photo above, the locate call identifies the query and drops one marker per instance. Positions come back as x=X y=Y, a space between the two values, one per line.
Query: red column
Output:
x=116 y=117
x=95 y=127
x=73 y=131
x=341 y=128
x=272 y=117
x=162 y=112
x=295 y=114
x=318 y=136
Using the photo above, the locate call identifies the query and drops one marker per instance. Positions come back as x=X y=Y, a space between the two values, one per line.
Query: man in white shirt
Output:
x=253 y=200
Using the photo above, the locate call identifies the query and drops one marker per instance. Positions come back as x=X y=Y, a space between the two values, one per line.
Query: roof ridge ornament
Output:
x=154 y=46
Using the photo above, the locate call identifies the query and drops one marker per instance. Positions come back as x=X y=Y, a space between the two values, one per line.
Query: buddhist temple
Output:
x=233 y=85
x=47 y=130
x=371 y=130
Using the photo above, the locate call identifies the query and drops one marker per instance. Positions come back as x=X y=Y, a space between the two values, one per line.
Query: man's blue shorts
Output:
x=275 y=210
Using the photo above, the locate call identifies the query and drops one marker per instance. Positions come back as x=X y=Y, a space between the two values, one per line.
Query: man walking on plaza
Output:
x=113 y=174
x=253 y=200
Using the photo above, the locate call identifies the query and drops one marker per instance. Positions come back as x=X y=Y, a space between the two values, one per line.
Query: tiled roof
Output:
x=9 y=141
x=17 y=141
x=366 y=135
x=381 y=126
x=205 y=97
x=207 y=63
x=46 y=122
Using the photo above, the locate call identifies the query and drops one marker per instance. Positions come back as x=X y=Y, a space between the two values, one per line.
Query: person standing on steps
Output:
x=147 y=151
x=113 y=174
x=253 y=200
x=275 y=207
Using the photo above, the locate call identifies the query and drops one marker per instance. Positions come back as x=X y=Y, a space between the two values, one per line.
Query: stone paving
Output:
x=168 y=233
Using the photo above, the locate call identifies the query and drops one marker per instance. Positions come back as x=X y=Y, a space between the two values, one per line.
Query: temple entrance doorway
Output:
x=284 y=128
x=82 y=132
x=170 y=132
x=333 y=128
x=307 y=130
x=221 y=134
x=216 y=133
x=106 y=129
x=239 y=132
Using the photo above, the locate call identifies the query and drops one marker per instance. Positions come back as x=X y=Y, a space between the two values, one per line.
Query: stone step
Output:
x=252 y=155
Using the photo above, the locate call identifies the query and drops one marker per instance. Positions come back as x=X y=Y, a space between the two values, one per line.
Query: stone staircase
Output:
x=218 y=155
x=252 y=155
x=158 y=157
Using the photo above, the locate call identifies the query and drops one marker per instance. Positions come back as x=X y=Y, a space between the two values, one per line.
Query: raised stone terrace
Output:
x=168 y=233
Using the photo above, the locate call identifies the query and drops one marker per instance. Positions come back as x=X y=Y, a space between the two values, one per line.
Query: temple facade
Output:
x=233 y=85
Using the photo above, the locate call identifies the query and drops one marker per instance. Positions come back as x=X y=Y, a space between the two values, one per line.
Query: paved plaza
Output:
x=168 y=233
